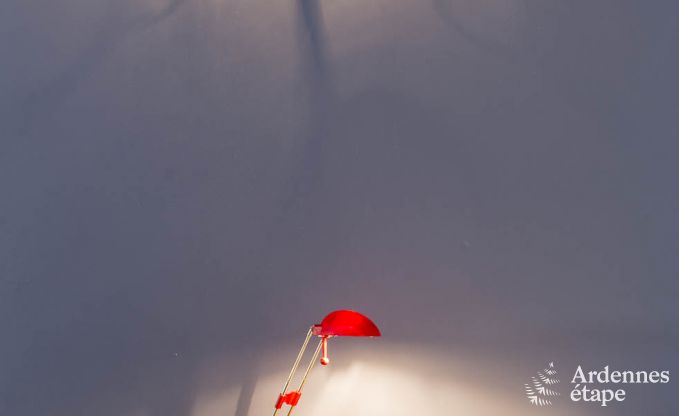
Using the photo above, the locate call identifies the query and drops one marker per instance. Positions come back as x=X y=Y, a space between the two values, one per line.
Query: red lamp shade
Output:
x=348 y=324
x=338 y=323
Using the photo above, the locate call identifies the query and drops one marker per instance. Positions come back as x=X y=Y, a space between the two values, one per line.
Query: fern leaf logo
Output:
x=539 y=390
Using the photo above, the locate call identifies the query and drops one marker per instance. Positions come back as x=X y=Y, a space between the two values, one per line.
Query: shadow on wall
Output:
x=300 y=197
x=312 y=40
x=307 y=176
x=23 y=112
x=539 y=37
x=446 y=11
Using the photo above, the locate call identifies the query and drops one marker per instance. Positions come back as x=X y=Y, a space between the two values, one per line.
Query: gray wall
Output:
x=194 y=181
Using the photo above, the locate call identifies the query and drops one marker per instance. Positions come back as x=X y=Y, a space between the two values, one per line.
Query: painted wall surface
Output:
x=186 y=185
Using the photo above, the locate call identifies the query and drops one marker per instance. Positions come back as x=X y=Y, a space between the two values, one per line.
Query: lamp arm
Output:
x=295 y=365
x=306 y=373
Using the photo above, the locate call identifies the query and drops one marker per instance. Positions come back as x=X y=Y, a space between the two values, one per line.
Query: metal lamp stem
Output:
x=308 y=369
x=296 y=364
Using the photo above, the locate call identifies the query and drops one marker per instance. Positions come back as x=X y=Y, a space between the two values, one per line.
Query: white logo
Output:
x=602 y=386
x=539 y=391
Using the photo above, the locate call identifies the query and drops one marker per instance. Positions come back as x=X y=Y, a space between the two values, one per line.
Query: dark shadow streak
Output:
x=498 y=49
x=146 y=22
x=302 y=188
x=245 y=396
x=312 y=39
x=307 y=177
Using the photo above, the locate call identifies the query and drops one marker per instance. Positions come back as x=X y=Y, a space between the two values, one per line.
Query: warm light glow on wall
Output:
x=395 y=380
